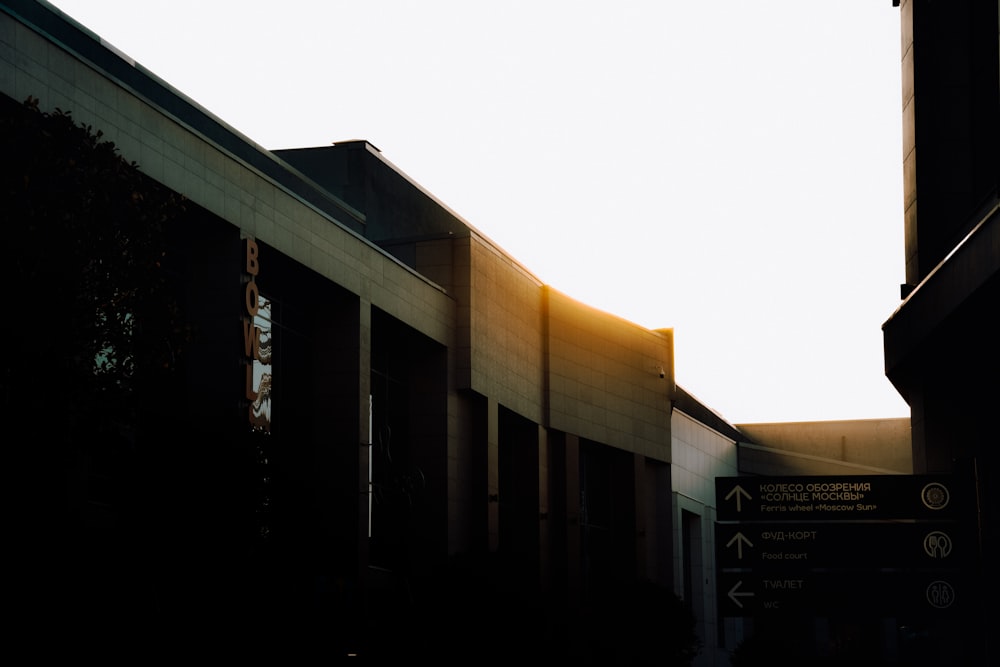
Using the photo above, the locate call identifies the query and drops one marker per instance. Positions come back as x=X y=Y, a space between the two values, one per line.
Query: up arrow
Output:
x=739 y=491
x=735 y=596
x=740 y=540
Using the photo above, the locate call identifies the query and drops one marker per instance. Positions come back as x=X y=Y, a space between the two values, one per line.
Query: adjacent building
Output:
x=941 y=349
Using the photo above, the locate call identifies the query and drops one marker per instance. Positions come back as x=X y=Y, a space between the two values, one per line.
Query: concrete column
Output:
x=493 y=472
x=364 y=429
x=574 y=566
x=544 y=523
x=641 y=516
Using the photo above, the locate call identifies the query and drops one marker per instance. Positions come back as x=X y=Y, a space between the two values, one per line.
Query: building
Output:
x=839 y=447
x=705 y=446
x=940 y=344
x=375 y=400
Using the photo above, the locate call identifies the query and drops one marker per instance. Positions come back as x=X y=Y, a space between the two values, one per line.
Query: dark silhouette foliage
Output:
x=641 y=624
x=478 y=610
x=91 y=333
x=89 y=318
x=792 y=642
x=768 y=649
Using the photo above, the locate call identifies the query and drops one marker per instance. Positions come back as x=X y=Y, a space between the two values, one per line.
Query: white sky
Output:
x=727 y=168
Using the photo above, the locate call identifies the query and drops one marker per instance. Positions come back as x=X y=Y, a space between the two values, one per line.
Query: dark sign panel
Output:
x=798 y=547
x=843 y=498
x=914 y=594
x=874 y=545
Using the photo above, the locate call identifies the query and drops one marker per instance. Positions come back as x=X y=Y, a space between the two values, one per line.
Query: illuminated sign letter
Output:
x=251 y=395
x=251 y=340
x=251 y=297
x=252 y=266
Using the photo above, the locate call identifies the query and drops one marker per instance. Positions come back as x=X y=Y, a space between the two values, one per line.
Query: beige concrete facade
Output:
x=701 y=452
x=838 y=447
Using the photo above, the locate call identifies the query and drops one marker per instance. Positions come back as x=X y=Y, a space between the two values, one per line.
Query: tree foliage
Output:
x=89 y=316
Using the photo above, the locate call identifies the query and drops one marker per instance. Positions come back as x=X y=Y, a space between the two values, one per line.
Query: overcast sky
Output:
x=730 y=169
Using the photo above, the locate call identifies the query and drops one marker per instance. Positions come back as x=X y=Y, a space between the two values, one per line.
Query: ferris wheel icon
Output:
x=935 y=496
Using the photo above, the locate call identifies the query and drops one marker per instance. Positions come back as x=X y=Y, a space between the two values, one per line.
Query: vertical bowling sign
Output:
x=256 y=325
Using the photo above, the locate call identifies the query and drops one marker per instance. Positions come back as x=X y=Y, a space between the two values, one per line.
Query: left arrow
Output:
x=740 y=493
x=740 y=539
x=735 y=595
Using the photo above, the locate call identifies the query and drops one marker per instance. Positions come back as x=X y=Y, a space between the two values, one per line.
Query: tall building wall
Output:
x=940 y=349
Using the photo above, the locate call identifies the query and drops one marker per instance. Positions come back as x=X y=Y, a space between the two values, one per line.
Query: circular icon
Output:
x=940 y=594
x=935 y=496
x=937 y=544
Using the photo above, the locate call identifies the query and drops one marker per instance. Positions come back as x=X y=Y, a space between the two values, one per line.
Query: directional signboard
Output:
x=806 y=546
x=925 y=594
x=877 y=544
x=854 y=498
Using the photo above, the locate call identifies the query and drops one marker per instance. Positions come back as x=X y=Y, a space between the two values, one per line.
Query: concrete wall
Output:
x=506 y=340
x=865 y=446
x=609 y=380
x=700 y=454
